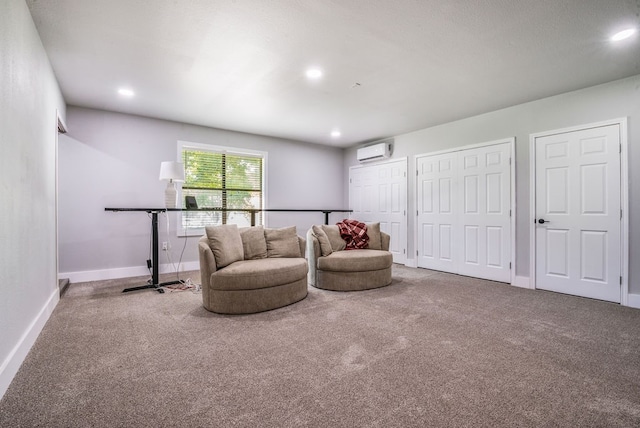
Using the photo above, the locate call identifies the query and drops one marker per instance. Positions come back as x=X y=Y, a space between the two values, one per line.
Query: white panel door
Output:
x=577 y=209
x=378 y=193
x=355 y=191
x=437 y=210
x=369 y=193
x=464 y=212
x=484 y=175
x=392 y=206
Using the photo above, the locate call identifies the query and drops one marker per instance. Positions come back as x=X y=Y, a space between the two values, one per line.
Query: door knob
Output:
x=543 y=221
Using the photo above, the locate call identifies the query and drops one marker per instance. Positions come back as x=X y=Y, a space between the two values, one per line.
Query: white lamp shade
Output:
x=172 y=171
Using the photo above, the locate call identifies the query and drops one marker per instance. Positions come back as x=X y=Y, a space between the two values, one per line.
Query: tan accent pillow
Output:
x=282 y=242
x=375 y=239
x=333 y=233
x=323 y=239
x=226 y=244
x=253 y=242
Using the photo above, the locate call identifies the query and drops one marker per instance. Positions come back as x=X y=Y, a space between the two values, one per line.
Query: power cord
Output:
x=182 y=284
x=185 y=285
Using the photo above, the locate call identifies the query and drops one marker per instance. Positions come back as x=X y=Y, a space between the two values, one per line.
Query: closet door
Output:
x=378 y=193
x=464 y=209
x=437 y=208
x=578 y=212
x=484 y=217
x=361 y=192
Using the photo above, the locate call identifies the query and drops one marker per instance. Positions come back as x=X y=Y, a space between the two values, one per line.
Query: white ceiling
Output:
x=240 y=64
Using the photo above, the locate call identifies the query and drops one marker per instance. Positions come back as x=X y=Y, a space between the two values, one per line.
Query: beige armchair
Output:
x=331 y=267
x=251 y=269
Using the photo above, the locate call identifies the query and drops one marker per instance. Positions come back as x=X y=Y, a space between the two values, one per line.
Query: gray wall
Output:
x=29 y=97
x=113 y=160
x=609 y=101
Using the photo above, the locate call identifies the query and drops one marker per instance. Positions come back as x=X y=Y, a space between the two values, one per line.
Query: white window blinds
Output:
x=222 y=180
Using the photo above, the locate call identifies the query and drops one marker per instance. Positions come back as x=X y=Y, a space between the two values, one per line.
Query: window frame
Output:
x=187 y=145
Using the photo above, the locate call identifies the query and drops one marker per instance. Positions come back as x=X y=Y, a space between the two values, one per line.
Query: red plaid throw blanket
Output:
x=354 y=234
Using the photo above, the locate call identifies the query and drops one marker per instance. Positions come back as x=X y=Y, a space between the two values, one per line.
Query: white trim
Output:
x=220 y=149
x=569 y=129
x=61 y=127
x=633 y=301
x=180 y=232
x=521 y=281
x=512 y=141
x=532 y=212
x=513 y=208
x=467 y=147
x=414 y=259
x=624 y=199
x=126 y=272
x=14 y=360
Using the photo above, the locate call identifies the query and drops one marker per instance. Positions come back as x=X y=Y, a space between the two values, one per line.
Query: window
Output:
x=220 y=177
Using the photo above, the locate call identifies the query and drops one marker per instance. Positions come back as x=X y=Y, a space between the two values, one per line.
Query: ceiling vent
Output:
x=381 y=150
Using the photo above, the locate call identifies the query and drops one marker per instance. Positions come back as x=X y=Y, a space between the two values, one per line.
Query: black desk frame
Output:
x=155 y=280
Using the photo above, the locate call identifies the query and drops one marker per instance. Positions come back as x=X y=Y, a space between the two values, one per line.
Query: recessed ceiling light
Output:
x=624 y=34
x=335 y=134
x=126 y=92
x=314 y=73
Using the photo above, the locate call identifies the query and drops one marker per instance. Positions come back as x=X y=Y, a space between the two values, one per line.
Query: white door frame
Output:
x=512 y=163
x=624 y=200
x=61 y=128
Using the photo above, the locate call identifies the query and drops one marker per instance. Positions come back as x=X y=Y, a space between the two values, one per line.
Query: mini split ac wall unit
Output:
x=375 y=151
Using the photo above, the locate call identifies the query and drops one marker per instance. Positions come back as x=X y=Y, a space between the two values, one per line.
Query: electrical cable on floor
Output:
x=184 y=245
x=168 y=251
x=182 y=285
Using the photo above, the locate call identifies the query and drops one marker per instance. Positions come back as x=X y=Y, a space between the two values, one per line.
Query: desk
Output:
x=155 y=281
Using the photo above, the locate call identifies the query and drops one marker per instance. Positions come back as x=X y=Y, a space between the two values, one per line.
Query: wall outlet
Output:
x=164 y=246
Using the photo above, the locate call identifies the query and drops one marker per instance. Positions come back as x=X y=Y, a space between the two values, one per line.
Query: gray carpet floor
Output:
x=430 y=350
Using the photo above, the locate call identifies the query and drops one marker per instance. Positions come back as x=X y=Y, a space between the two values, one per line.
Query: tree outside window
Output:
x=220 y=179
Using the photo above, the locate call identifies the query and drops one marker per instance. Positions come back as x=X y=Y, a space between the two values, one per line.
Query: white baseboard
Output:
x=127 y=272
x=633 y=300
x=521 y=281
x=14 y=360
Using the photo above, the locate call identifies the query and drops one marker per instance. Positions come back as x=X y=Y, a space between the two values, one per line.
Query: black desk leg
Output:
x=155 y=274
